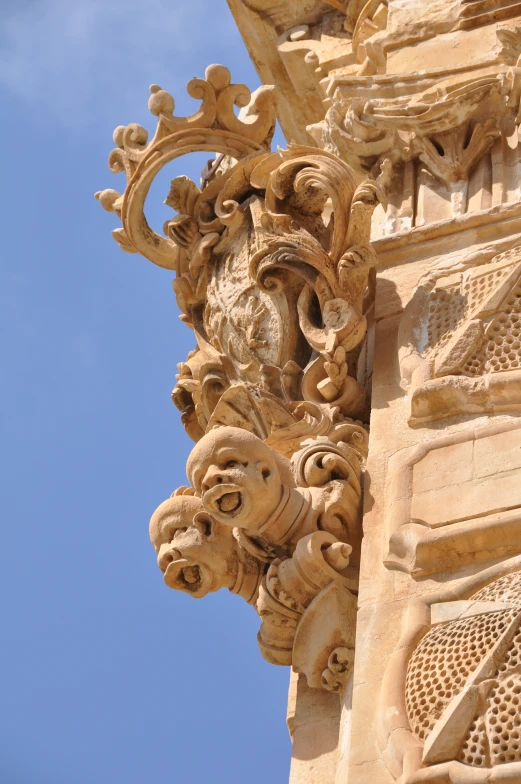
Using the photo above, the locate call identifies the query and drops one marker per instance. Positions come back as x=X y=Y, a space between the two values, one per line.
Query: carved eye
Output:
x=231 y=464
x=179 y=531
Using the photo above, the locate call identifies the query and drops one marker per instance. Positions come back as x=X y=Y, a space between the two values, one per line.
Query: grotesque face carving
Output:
x=195 y=553
x=238 y=476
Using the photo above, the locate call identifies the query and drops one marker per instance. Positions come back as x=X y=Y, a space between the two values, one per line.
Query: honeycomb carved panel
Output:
x=460 y=340
x=463 y=682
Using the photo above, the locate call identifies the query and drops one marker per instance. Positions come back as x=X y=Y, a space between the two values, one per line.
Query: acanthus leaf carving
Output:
x=448 y=121
x=510 y=40
x=272 y=257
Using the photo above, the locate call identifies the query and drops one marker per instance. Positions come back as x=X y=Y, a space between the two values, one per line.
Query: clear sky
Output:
x=107 y=676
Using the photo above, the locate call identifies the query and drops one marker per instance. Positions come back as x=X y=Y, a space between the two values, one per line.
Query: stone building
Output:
x=355 y=391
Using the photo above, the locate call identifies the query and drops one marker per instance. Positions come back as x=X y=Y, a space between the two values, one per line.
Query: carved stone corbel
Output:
x=308 y=612
x=272 y=257
x=281 y=534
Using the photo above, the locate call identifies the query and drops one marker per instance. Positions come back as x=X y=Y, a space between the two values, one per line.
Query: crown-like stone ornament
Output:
x=213 y=128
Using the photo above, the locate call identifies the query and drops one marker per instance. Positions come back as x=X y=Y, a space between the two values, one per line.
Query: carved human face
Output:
x=194 y=552
x=237 y=476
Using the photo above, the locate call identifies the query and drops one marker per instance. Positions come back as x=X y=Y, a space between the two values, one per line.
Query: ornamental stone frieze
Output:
x=370 y=273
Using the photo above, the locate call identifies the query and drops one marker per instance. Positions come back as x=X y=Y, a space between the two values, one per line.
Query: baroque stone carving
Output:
x=308 y=612
x=303 y=47
x=198 y=555
x=281 y=534
x=440 y=122
x=262 y=276
x=403 y=122
x=478 y=722
x=272 y=261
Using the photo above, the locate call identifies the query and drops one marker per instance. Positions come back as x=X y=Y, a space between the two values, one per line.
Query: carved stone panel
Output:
x=456 y=500
x=459 y=718
x=459 y=340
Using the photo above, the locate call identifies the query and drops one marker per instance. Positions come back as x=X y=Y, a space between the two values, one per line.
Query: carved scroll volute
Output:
x=296 y=195
x=272 y=258
x=331 y=467
x=283 y=539
x=308 y=612
x=332 y=259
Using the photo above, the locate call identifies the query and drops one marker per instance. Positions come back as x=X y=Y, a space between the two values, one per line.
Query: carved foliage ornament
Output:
x=446 y=121
x=272 y=262
x=263 y=276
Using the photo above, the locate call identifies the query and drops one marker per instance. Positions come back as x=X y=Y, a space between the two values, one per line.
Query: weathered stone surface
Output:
x=369 y=275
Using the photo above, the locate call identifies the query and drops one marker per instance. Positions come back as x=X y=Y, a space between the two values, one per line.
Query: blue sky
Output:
x=106 y=675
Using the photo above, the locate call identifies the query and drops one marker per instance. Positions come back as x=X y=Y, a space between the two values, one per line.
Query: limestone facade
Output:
x=355 y=389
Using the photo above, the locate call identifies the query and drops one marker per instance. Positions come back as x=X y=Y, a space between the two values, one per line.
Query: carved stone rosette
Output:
x=272 y=260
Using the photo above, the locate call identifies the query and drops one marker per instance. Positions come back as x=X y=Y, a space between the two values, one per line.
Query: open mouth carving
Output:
x=190 y=576
x=184 y=575
x=224 y=499
x=229 y=502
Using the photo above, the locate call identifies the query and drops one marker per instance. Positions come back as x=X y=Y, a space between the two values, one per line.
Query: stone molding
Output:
x=458 y=343
x=429 y=477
